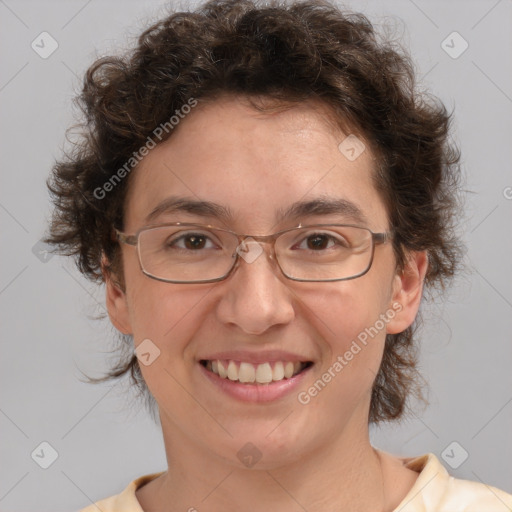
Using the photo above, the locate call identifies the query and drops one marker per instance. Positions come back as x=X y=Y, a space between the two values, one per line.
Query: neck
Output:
x=345 y=473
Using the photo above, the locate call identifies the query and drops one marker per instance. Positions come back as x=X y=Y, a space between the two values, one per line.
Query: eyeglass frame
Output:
x=133 y=240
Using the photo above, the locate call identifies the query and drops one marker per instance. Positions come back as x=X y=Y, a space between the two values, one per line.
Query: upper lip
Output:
x=262 y=356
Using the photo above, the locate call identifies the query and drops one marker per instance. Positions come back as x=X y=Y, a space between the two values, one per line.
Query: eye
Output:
x=191 y=242
x=322 y=241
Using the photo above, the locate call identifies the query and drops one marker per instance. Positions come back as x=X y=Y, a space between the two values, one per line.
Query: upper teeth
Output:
x=261 y=373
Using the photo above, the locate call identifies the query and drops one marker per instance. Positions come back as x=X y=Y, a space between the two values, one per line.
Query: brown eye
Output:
x=320 y=242
x=194 y=241
x=190 y=242
x=316 y=242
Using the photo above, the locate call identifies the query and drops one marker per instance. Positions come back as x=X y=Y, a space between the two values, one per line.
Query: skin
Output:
x=317 y=456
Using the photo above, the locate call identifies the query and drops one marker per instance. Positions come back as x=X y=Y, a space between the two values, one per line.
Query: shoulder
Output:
x=435 y=490
x=476 y=495
x=126 y=501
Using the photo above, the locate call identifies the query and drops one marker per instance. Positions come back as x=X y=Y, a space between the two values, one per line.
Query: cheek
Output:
x=348 y=319
x=164 y=313
x=347 y=311
x=166 y=316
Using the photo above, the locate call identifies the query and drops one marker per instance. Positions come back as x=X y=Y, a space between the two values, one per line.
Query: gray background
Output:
x=102 y=439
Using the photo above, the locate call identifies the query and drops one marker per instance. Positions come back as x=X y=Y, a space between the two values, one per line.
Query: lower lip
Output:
x=256 y=392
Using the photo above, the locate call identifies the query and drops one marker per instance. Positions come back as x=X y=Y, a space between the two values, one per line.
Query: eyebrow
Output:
x=183 y=204
x=317 y=206
x=323 y=206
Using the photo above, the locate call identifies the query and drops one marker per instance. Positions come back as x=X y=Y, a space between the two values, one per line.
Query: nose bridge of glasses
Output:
x=250 y=247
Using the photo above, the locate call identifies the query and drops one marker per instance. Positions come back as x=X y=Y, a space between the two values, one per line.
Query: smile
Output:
x=249 y=373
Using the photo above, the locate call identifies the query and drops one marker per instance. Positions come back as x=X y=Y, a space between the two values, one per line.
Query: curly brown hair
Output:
x=287 y=53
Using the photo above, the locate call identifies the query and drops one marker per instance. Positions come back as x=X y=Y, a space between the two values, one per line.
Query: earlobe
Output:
x=116 y=302
x=408 y=291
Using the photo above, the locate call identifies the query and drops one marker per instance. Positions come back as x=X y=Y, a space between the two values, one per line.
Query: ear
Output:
x=407 y=292
x=117 y=303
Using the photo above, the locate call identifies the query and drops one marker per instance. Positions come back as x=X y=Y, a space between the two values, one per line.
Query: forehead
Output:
x=255 y=164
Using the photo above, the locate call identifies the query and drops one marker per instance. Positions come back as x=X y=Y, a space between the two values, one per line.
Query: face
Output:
x=256 y=166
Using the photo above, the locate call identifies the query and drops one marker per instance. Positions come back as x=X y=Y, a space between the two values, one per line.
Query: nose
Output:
x=257 y=296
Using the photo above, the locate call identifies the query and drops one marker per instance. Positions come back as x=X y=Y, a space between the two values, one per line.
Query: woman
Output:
x=266 y=198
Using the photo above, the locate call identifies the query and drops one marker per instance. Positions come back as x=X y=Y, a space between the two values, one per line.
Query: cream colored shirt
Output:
x=434 y=491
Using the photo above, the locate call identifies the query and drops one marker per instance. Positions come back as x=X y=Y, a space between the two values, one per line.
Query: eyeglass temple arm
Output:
x=125 y=239
x=382 y=238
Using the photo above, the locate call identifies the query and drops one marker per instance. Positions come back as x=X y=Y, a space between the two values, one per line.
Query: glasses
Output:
x=194 y=253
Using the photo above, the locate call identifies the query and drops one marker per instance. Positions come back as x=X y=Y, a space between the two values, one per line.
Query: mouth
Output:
x=255 y=374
